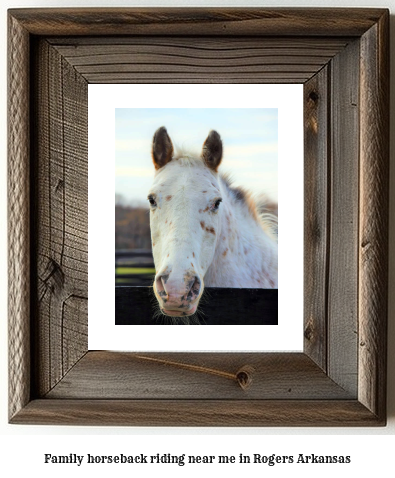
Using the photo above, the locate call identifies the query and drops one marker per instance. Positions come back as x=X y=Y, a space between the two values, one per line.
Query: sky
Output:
x=249 y=136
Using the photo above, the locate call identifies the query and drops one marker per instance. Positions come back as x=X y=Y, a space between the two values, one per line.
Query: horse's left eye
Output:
x=216 y=204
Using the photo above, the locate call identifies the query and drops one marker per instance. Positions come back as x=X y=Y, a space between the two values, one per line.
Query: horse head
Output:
x=185 y=205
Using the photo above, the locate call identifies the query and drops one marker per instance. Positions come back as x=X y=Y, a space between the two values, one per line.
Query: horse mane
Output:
x=261 y=208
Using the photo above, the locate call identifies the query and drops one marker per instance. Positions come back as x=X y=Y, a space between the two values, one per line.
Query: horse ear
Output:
x=162 y=148
x=212 y=150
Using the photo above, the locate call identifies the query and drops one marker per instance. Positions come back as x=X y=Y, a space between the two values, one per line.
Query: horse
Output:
x=204 y=232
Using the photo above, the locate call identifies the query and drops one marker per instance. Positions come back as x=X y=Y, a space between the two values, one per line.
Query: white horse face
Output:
x=185 y=208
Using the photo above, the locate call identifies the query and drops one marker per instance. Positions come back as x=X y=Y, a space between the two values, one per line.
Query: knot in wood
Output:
x=309 y=331
x=244 y=376
x=313 y=96
x=54 y=276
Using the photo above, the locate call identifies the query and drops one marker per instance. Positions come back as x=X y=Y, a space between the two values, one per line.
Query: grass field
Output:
x=134 y=270
x=134 y=275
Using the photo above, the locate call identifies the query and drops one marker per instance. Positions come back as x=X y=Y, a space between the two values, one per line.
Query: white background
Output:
x=22 y=447
x=103 y=334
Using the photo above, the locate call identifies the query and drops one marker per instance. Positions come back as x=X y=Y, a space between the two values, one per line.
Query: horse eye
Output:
x=216 y=204
x=152 y=201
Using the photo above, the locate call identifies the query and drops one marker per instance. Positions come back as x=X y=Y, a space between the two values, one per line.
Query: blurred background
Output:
x=250 y=140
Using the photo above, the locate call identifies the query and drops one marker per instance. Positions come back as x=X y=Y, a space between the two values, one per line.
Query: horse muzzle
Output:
x=178 y=297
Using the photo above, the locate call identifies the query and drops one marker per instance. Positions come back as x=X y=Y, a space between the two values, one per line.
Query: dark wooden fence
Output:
x=134 y=267
x=135 y=302
x=220 y=306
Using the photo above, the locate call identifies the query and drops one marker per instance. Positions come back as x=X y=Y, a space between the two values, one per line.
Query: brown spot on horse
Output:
x=204 y=210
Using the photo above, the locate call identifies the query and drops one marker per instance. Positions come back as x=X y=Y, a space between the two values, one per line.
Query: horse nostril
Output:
x=194 y=290
x=160 y=285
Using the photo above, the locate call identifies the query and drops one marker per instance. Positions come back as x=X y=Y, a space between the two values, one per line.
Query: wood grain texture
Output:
x=373 y=227
x=343 y=236
x=197 y=59
x=18 y=218
x=137 y=376
x=61 y=232
x=202 y=413
x=198 y=21
x=316 y=214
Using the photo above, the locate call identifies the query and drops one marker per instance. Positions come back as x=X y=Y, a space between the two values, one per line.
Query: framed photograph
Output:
x=261 y=172
x=339 y=58
x=215 y=222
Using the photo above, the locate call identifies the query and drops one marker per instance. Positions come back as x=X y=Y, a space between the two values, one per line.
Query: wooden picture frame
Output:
x=342 y=58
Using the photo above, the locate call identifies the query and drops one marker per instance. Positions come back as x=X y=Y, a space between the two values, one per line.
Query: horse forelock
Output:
x=187 y=157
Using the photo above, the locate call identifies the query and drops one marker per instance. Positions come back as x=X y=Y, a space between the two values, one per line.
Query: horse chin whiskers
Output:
x=197 y=318
x=194 y=319
x=205 y=297
x=157 y=312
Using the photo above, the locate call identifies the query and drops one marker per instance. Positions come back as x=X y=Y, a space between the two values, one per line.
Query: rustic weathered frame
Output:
x=341 y=57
